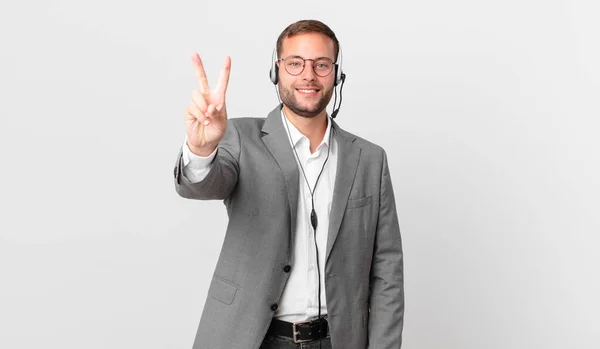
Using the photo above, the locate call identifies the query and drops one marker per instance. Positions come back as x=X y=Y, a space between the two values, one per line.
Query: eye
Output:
x=323 y=64
x=295 y=62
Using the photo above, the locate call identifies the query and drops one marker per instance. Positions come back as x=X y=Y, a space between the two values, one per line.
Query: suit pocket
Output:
x=222 y=290
x=359 y=202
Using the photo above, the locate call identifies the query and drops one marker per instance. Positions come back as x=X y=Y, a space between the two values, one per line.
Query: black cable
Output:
x=318 y=268
x=341 y=88
x=333 y=113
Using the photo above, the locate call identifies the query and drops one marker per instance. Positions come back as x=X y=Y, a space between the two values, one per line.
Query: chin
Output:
x=305 y=112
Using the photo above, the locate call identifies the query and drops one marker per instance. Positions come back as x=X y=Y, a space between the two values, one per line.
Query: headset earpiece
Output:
x=337 y=79
x=339 y=74
x=274 y=72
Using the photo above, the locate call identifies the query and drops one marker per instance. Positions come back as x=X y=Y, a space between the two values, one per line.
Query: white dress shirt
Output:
x=299 y=300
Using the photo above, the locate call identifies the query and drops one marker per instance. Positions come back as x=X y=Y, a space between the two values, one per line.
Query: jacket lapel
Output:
x=276 y=140
x=348 y=156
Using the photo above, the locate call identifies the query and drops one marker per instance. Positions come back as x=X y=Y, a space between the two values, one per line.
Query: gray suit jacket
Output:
x=256 y=175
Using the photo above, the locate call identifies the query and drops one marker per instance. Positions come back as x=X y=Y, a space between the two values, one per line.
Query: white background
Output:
x=488 y=111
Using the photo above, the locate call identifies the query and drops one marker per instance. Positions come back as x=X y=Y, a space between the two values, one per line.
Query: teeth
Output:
x=307 y=91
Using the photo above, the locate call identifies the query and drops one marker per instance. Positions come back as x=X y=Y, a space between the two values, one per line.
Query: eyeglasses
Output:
x=294 y=65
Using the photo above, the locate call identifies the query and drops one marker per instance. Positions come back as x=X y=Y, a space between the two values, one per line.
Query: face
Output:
x=306 y=94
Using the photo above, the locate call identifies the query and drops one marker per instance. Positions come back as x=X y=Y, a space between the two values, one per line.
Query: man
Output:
x=312 y=256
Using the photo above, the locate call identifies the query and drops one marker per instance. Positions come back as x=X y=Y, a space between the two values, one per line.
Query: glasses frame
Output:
x=333 y=64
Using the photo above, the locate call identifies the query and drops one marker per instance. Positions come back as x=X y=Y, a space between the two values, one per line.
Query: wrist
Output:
x=202 y=151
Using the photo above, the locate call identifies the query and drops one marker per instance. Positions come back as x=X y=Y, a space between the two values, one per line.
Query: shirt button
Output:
x=287 y=268
x=274 y=306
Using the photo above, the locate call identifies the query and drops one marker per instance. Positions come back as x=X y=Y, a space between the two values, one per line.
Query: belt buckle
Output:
x=295 y=333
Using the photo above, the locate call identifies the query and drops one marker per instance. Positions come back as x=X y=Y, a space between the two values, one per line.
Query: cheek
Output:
x=286 y=81
x=328 y=81
x=327 y=86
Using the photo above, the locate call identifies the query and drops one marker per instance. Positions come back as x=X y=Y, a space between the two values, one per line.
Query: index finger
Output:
x=224 y=77
x=200 y=73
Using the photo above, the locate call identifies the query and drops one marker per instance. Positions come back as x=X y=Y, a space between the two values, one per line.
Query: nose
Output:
x=308 y=74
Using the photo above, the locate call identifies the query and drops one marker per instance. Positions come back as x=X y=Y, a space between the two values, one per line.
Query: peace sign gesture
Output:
x=206 y=115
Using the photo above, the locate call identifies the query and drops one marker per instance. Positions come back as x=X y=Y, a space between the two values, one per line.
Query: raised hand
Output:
x=206 y=115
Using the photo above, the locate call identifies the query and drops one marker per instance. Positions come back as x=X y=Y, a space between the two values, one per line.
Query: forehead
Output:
x=308 y=45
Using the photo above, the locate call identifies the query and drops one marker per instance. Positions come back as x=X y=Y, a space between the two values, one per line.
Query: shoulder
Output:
x=367 y=147
x=246 y=125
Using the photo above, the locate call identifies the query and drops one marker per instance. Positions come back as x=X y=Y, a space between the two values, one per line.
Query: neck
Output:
x=312 y=127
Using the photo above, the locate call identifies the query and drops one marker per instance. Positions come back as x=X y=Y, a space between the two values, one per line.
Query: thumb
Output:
x=211 y=111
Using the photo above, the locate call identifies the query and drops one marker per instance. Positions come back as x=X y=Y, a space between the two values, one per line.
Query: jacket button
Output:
x=274 y=306
x=287 y=268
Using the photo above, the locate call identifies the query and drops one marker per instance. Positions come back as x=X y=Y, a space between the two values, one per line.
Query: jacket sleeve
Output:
x=223 y=176
x=386 y=299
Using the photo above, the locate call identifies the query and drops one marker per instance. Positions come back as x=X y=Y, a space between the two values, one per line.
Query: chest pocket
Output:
x=359 y=202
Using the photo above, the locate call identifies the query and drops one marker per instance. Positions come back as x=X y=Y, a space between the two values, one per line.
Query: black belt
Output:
x=299 y=332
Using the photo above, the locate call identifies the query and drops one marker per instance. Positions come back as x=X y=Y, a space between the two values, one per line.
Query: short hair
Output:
x=308 y=26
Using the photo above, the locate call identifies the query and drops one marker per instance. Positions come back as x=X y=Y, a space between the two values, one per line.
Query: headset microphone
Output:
x=337 y=110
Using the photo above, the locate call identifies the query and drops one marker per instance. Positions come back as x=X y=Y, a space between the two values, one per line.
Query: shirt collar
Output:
x=297 y=136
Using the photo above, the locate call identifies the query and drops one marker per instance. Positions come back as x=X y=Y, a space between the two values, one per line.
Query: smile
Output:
x=307 y=91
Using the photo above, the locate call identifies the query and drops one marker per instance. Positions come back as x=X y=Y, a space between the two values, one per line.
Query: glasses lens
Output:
x=294 y=65
x=323 y=66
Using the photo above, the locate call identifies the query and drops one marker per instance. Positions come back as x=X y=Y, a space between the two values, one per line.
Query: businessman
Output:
x=312 y=256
